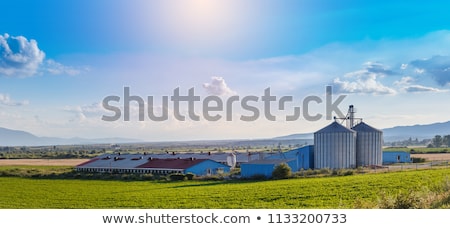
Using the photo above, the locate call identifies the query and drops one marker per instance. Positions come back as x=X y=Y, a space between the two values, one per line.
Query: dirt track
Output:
x=53 y=162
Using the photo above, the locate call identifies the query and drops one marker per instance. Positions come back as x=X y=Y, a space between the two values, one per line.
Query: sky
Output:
x=60 y=60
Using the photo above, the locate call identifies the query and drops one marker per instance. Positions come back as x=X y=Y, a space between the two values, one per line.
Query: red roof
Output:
x=87 y=162
x=170 y=163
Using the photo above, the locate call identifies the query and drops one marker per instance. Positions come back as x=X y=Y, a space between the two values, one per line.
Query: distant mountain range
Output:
x=10 y=137
x=426 y=131
x=397 y=133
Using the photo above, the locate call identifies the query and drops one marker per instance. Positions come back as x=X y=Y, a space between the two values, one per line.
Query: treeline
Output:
x=50 y=155
x=408 y=142
x=436 y=142
x=440 y=141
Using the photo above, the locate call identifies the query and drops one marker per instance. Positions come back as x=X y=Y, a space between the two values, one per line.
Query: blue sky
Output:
x=60 y=59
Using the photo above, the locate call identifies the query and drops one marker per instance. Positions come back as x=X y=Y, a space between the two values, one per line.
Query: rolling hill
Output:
x=426 y=131
x=10 y=137
x=397 y=133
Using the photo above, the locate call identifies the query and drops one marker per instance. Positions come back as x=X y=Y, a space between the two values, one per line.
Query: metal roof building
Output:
x=392 y=157
x=369 y=145
x=263 y=167
x=335 y=147
x=350 y=146
x=143 y=163
x=223 y=158
x=296 y=159
x=303 y=156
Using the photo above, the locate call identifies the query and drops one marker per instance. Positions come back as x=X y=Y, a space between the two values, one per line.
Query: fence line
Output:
x=414 y=166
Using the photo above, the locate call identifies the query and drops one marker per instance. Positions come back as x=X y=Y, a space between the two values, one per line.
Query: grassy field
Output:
x=419 y=150
x=356 y=191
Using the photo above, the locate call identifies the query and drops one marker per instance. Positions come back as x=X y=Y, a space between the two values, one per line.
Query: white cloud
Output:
x=403 y=66
x=218 y=86
x=420 y=88
x=407 y=80
x=406 y=85
x=378 y=68
x=6 y=100
x=94 y=108
x=419 y=70
x=56 y=68
x=83 y=112
x=19 y=56
x=366 y=81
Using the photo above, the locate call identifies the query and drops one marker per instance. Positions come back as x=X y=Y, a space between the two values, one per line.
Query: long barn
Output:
x=142 y=163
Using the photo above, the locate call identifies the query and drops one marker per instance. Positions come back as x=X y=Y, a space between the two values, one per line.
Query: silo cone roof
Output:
x=333 y=128
x=363 y=127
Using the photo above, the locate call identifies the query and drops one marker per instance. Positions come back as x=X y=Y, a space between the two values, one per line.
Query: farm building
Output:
x=231 y=159
x=263 y=167
x=369 y=145
x=139 y=163
x=354 y=145
x=392 y=157
x=335 y=147
x=303 y=156
x=296 y=159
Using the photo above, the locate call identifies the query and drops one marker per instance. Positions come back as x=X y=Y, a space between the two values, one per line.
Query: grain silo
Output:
x=335 y=147
x=369 y=145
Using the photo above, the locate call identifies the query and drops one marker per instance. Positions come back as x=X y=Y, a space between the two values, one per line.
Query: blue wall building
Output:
x=303 y=156
x=391 y=157
x=296 y=159
x=263 y=167
x=207 y=167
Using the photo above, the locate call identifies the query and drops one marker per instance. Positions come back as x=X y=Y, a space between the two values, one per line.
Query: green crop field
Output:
x=323 y=192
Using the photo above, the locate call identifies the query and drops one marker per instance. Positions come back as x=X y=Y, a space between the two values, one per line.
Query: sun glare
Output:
x=198 y=24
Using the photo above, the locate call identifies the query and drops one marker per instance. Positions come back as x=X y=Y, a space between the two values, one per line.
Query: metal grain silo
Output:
x=335 y=147
x=369 y=145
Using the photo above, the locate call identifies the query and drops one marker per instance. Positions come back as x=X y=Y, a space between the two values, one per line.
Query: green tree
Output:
x=446 y=140
x=281 y=171
x=437 y=141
